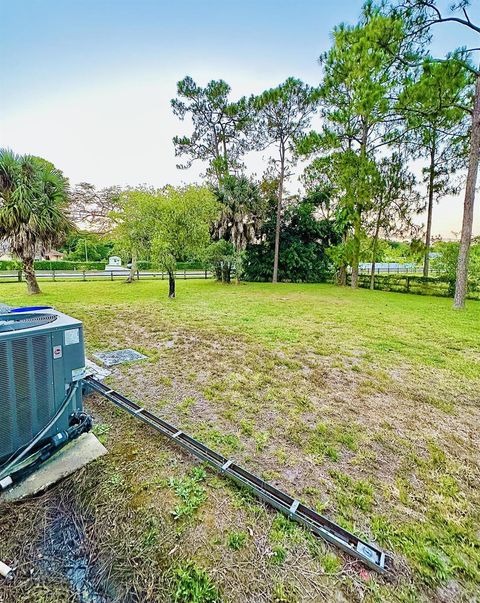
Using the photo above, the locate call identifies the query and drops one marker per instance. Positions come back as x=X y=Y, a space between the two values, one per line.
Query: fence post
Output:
x=206 y=274
x=138 y=275
x=53 y=275
x=19 y=276
x=408 y=284
x=162 y=275
x=111 y=276
x=185 y=274
x=84 y=276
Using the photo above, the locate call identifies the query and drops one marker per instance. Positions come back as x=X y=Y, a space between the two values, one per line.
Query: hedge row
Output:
x=69 y=265
x=53 y=265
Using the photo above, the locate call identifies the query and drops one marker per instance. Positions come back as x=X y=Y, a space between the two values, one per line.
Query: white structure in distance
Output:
x=114 y=264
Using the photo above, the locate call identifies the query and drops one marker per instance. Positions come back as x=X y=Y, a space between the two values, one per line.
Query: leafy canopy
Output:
x=33 y=203
x=181 y=219
x=221 y=128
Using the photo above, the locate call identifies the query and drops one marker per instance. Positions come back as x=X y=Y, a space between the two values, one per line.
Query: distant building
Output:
x=53 y=255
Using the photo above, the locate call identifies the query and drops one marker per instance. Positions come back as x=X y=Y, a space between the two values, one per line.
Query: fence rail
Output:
x=394 y=268
x=87 y=275
x=437 y=286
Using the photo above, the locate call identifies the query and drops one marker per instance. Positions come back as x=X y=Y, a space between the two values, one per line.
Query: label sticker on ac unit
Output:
x=78 y=373
x=57 y=351
x=72 y=336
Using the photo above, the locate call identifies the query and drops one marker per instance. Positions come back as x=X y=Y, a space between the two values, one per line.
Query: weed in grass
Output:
x=327 y=440
x=114 y=482
x=193 y=585
x=247 y=427
x=245 y=499
x=261 y=440
x=342 y=479
x=351 y=495
x=303 y=403
x=284 y=593
x=331 y=563
x=152 y=533
x=284 y=528
x=101 y=430
x=225 y=443
x=191 y=492
x=363 y=495
x=282 y=456
x=331 y=452
x=186 y=403
x=279 y=554
x=236 y=540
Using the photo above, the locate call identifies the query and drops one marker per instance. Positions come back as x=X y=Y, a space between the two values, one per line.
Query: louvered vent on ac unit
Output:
x=36 y=368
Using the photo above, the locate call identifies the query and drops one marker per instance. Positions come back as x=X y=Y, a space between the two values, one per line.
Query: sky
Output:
x=87 y=84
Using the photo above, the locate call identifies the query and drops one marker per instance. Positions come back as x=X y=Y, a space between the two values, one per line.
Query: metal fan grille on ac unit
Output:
x=17 y=322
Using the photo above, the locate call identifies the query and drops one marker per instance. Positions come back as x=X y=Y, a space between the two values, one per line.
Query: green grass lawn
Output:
x=363 y=404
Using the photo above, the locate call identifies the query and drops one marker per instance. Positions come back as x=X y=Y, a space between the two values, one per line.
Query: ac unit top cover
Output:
x=25 y=323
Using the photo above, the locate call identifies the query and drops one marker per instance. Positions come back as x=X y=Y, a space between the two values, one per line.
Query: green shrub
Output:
x=304 y=241
x=10 y=265
x=79 y=265
x=193 y=585
x=68 y=265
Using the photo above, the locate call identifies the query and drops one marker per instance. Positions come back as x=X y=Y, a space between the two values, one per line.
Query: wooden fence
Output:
x=88 y=275
x=419 y=285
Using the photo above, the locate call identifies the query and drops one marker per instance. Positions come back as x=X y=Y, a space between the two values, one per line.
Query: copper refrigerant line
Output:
x=321 y=526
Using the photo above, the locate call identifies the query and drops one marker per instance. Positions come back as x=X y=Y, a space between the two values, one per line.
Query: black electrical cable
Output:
x=17 y=456
x=44 y=449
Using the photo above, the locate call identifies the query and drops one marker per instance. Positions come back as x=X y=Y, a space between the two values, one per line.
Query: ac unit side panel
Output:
x=26 y=389
x=37 y=366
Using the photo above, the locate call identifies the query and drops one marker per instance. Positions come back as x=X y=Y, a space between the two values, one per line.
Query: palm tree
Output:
x=33 y=196
x=242 y=211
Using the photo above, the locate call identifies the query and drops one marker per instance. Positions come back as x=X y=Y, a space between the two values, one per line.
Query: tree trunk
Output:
x=133 y=269
x=428 y=234
x=358 y=217
x=374 y=250
x=279 y=215
x=226 y=272
x=218 y=271
x=356 y=251
x=171 y=285
x=342 y=270
x=31 y=279
x=468 y=204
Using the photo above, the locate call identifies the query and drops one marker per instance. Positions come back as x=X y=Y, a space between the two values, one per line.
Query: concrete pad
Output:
x=118 y=357
x=66 y=461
